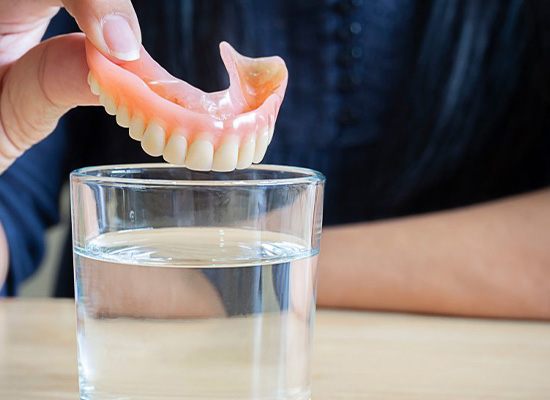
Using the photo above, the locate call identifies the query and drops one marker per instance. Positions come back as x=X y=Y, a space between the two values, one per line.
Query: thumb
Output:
x=37 y=90
x=111 y=25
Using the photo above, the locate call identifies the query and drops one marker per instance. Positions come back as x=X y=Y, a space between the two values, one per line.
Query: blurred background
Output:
x=422 y=107
x=41 y=284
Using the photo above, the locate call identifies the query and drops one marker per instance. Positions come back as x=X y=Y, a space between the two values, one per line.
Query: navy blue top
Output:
x=405 y=106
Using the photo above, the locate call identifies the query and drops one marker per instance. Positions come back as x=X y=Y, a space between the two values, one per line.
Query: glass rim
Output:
x=309 y=176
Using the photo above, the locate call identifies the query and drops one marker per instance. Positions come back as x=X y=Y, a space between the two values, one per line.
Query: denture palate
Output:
x=217 y=131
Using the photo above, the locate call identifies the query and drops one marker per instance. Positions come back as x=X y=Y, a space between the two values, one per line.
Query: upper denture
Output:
x=220 y=131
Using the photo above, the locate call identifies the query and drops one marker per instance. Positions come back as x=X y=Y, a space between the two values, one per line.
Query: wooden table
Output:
x=357 y=355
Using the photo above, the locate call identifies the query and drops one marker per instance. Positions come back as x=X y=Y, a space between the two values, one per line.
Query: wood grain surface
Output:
x=357 y=355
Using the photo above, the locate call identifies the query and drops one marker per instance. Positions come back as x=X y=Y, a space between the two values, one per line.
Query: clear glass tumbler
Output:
x=194 y=285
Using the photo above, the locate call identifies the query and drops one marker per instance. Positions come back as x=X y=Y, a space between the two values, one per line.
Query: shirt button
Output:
x=350 y=55
x=356 y=52
x=355 y=28
x=346 y=33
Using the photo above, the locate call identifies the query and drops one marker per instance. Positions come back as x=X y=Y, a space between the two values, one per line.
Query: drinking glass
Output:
x=195 y=285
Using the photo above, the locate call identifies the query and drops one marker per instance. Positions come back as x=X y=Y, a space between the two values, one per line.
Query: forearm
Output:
x=4 y=256
x=488 y=260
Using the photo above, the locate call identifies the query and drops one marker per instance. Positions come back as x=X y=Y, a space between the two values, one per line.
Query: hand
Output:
x=39 y=82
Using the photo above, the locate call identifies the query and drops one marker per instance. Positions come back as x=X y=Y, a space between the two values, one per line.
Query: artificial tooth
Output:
x=94 y=85
x=153 y=139
x=176 y=149
x=226 y=156
x=246 y=152
x=137 y=127
x=271 y=130
x=123 y=117
x=200 y=155
x=108 y=102
x=262 y=141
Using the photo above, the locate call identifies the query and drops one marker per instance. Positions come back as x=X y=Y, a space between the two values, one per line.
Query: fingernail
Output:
x=120 y=38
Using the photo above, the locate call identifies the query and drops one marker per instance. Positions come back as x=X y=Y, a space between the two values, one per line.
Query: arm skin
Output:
x=488 y=260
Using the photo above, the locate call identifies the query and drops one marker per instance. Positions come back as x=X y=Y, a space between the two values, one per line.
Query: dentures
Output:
x=217 y=131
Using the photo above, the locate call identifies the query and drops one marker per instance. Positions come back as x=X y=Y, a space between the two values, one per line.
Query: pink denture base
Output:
x=127 y=84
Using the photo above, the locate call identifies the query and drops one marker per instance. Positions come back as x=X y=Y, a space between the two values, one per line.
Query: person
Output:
x=429 y=119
